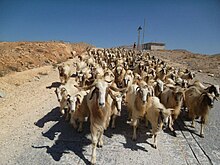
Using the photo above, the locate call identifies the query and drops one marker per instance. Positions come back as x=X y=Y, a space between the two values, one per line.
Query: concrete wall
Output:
x=156 y=47
x=150 y=46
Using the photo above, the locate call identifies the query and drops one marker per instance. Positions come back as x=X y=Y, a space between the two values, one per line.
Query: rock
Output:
x=200 y=71
x=2 y=94
x=211 y=75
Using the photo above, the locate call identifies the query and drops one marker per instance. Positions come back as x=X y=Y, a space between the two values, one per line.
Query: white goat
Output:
x=136 y=99
x=78 y=109
x=158 y=115
x=64 y=73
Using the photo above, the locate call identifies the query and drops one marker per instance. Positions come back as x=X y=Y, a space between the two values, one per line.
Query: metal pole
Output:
x=139 y=30
x=138 y=45
x=143 y=34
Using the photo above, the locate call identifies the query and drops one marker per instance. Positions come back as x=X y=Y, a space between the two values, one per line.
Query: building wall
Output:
x=156 y=47
x=150 y=46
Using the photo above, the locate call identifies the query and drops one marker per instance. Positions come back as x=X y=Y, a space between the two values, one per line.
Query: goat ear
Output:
x=94 y=91
x=78 y=96
x=137 y=89
x=78 y=100
x=111 y=94
x=68 y=97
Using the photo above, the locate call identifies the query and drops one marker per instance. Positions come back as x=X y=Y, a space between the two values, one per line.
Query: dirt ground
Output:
x=20 y=56
x=31 y=127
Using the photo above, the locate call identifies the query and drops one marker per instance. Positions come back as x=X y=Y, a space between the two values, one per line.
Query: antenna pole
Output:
x=143 y=33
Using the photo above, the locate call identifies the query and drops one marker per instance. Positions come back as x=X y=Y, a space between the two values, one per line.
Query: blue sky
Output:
x=190 y=24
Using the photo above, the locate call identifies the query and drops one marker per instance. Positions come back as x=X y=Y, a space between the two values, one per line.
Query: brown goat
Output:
x=198 y=105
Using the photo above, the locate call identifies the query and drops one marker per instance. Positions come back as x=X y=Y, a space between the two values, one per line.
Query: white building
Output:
x=153 y=46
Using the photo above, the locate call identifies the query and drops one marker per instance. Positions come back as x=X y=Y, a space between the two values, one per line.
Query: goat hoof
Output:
x=74 y=126
x=134 y=138
x=202 y=135
x=99 y=145
x=79 y=130
x=174 y=133
x=93 y=162
x=154 y=146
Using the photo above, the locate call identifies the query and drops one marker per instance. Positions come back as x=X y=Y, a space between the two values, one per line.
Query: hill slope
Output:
x=20 y=56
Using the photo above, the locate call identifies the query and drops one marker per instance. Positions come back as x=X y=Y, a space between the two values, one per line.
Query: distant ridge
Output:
x=218 y=54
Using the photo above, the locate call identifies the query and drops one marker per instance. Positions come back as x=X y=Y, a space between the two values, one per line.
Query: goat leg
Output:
x=134 y=123
x=94 y=145
x=202 y=127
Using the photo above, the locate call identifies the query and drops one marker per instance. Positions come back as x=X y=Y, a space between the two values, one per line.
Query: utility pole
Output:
x=139 y=30
x=143 y=34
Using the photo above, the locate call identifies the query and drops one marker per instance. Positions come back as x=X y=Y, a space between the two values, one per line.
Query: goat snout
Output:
x=212 y=104
x=165 y=125
x=101 y=104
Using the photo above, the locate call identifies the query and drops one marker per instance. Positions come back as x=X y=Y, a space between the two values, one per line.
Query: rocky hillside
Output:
x=20 y=56
x=209 y=64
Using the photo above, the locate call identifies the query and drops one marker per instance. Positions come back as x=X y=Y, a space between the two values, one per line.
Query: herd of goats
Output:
x=102 y=80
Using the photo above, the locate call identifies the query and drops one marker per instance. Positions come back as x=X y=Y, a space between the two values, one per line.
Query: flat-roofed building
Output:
x=153 y=46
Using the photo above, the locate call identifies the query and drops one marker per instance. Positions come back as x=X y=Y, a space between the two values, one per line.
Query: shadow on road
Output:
x=126 y=130
x=54 y=85
x=53 y=115
x=65 y=138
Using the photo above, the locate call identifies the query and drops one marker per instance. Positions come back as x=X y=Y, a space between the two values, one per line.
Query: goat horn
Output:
x=111 y=94
x=86 y=87
x=207 y=83
x=117 y=89
x=108 y=81
x=78 y=95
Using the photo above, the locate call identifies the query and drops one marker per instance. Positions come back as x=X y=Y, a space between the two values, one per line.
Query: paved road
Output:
x=52 y=141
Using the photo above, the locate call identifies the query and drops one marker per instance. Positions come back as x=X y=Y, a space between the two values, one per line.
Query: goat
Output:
x=172 y=98
x=78 y=109
x=136 y=99
x=210 y=89
x=63 y=93
x=161 y=74
x=188 y=76
x=128 y=78
x=100 y=112
x=115 y=105
x=119 y=75
x=157 y=115
x=198 y=105
x=64 y=73
x=158 y=87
